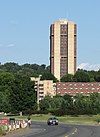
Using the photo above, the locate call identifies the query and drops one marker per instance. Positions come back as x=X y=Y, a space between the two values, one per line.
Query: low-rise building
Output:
x=47 y=87
x=44 y=88
x=73 y=88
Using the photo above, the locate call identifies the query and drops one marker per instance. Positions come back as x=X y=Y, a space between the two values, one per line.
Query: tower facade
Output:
x=63 y=38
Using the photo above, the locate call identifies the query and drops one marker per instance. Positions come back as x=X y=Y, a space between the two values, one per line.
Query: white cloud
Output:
x=7 y=46
x=10 y=45
x=87 y=66
x=83 y=65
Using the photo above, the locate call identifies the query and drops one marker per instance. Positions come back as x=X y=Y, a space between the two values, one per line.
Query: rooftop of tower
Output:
x=63 y=21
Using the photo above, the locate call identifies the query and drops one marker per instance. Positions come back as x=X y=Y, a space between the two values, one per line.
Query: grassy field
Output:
x=84 y=119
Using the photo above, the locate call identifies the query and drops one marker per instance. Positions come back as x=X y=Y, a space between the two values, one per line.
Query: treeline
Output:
x=25 y=69
x=16 y=88
x=68 y=105
x=17 y=91
x=82 y=76
x=34 y=70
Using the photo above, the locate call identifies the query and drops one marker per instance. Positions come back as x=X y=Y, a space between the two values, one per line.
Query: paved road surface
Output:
x=41 y=129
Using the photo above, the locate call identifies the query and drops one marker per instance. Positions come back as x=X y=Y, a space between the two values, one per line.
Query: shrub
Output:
x=58 y=112
x=2 y=132
x=98 y=121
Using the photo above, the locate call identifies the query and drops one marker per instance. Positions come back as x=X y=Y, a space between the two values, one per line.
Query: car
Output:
x=52 y=121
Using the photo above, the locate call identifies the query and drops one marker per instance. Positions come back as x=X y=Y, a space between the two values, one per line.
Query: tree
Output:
x=81 y=76
x=48 y=76
x=43 y=66
x=92 y=75
x=56 y=102
x=10 y=67
x=52 y=105
x=95 y=102
x=23 y=96
x=67 y=78
x=48 y=68
x=97 y=76
x=45 y=103
x=6 y=82
x=79 y=104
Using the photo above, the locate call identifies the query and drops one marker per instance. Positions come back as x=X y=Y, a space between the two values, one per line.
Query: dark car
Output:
x=52 y=121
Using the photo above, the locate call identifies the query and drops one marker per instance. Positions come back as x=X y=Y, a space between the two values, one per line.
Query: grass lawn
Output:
x=82 y=119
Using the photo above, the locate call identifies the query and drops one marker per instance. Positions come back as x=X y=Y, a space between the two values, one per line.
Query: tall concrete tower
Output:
x=63 y=38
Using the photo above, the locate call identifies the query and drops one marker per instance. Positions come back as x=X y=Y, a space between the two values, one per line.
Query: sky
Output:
x=25 y=30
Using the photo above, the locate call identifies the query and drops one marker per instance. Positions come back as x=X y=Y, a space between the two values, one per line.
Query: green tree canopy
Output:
x=48 y=76
x=67 y=78
x=6 y=82
x=81 y=76
x=23 y=96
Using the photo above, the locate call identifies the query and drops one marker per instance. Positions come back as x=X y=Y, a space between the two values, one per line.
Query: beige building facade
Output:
x=44 y=88
x=63 y=37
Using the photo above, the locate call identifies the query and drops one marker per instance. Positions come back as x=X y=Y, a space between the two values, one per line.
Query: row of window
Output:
x=78 y=88
x=80 y=84
x=75 y=92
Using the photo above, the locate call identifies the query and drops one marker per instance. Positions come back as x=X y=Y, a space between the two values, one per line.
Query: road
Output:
x=41 y=129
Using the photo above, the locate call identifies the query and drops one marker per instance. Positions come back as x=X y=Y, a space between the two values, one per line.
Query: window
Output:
x=41 y=85
x=40 y=88
x=41 y=96
x=41 y=92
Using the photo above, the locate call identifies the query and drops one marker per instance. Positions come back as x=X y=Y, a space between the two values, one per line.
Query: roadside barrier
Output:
x=17 y=124
x=11 y=124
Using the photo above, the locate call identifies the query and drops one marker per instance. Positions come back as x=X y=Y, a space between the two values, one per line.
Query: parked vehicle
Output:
x=52 y=121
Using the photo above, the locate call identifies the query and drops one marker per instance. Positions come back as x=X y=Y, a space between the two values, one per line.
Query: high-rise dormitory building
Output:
x=63 y=41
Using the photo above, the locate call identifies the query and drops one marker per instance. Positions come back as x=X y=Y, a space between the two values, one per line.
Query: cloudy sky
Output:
x=24 y=30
